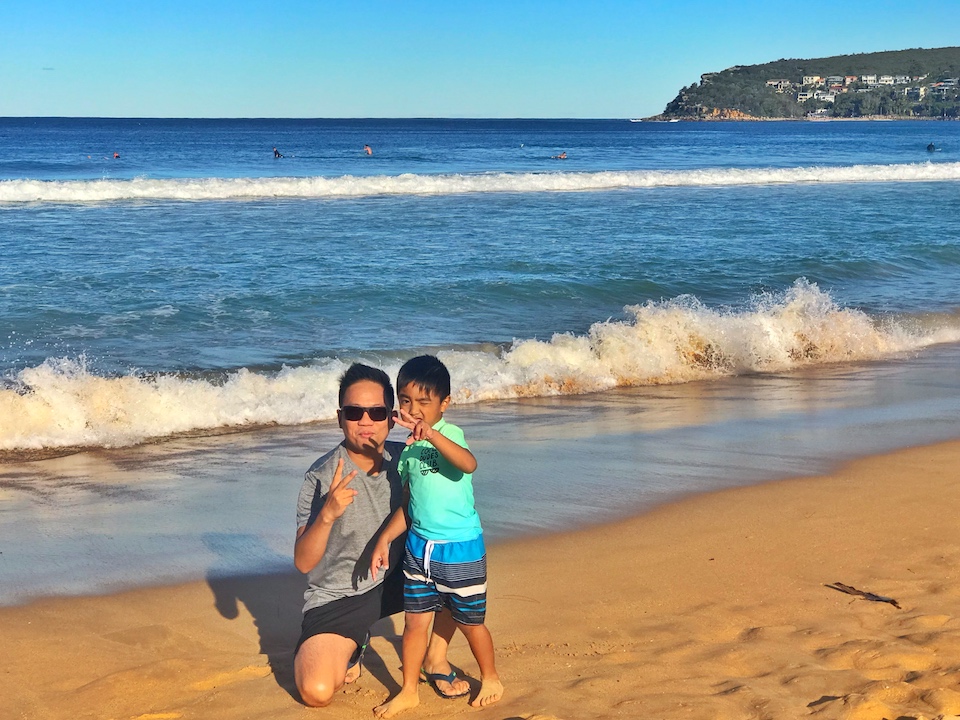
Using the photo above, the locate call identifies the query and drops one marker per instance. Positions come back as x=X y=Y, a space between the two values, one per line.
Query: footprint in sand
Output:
x=943 y=700
x=858 y=707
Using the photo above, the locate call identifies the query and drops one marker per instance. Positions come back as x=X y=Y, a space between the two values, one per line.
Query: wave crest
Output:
x=108 y=190
x=61 y=404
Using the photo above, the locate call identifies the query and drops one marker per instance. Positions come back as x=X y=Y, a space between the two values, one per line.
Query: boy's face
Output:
x=422 y=404
x=365 y=436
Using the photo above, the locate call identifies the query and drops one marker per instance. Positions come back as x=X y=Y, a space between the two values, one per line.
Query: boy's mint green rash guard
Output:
x=441 y=497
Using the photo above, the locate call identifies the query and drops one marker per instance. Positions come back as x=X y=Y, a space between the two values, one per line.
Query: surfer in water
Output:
x=931 y=147
x=561 y=156
x=277 y=153
x=368 y=150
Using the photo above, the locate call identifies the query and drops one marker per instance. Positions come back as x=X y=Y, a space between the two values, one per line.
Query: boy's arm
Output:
x=457 y=455
x=312 y=539
x=395 y=527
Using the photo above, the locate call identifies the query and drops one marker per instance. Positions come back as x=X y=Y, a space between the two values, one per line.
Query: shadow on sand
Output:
x=275 y=603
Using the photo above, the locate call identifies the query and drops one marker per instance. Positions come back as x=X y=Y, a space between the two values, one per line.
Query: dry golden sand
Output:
x=711 y=608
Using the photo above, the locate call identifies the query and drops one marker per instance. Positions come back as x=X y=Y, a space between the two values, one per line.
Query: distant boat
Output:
x=636 y=119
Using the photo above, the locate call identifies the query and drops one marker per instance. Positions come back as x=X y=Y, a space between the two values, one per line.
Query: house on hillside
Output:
x=780 y=85
x=885 y=80
x=868 y=79
x=804 y=96
x=944 y=89
x=812 y=80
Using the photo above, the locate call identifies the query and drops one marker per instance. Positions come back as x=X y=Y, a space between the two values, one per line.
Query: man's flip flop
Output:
x=434 y=678
x=358 y=655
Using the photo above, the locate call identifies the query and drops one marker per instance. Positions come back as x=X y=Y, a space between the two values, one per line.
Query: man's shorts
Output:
x=451 y=574
x=351 y=617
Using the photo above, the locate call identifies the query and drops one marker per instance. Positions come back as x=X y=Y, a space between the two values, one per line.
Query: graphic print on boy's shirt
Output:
x=429 y=461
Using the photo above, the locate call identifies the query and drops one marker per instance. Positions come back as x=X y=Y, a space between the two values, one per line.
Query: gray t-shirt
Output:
x=344 y=569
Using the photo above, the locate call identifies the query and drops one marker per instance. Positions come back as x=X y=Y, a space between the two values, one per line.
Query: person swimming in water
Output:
x=368 y=150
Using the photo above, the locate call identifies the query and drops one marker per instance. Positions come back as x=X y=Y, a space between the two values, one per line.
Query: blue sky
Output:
x=398 y=58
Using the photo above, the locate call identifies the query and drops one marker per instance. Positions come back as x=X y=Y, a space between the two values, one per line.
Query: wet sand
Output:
x=715 y=606
x=211 y=507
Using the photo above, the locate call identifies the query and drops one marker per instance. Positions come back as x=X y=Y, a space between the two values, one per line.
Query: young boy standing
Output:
x=445 y=562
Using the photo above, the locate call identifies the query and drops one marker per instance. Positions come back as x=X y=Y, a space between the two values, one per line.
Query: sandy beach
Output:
x=715 y=606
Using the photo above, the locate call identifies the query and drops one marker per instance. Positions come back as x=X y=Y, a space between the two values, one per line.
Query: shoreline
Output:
x=166 y=513
x=713 y=606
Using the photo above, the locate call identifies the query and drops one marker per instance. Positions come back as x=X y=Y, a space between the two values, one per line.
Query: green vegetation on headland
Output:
x=901 y=83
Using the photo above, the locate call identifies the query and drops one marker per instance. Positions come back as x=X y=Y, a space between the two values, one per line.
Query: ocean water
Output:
x=197 y=282
x=675 y=307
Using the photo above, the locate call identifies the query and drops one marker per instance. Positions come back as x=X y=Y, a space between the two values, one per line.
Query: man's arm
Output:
x=312 y=539
x=395 y=527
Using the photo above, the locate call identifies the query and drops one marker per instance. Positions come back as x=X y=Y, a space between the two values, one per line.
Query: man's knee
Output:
x=319 y=667
x=316 y=693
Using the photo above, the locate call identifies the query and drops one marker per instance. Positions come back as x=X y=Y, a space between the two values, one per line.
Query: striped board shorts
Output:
x=452 y=574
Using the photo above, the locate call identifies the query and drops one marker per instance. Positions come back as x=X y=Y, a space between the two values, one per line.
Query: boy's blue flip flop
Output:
x=433 y=678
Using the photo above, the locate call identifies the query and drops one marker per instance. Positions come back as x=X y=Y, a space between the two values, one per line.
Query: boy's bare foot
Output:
x=490 y=692
x=403 y=701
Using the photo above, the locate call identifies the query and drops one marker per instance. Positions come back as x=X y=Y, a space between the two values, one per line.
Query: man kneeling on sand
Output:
x=346 y=499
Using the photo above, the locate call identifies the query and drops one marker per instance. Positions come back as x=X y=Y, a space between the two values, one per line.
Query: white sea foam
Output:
x=104 y=190
x=61 y=404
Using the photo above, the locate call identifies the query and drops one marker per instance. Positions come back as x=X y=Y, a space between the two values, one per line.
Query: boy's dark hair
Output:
x=427 y=373
x=357 y=372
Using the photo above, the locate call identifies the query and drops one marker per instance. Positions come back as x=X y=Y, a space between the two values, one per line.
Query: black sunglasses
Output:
x=354 y=413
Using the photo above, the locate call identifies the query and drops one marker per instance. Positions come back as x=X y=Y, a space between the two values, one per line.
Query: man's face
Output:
x=365 y=436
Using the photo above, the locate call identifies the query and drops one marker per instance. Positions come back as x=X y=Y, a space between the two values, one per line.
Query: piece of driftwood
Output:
x=849 y=590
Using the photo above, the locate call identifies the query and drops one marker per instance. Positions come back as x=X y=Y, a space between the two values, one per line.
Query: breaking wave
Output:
x=107 y=190
x=61 y=404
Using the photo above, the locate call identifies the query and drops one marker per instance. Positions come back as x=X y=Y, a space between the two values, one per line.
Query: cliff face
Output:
x=703 y=113
x=727 y=114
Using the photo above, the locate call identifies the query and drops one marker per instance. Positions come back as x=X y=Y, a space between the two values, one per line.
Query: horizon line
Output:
x=265 y=117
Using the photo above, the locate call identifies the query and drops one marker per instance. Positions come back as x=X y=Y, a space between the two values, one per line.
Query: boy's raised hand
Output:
x=419 y=430
x=339 y=496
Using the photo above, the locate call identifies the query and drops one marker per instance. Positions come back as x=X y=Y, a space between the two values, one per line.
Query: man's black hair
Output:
x=357 y=372
x=427 y=373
